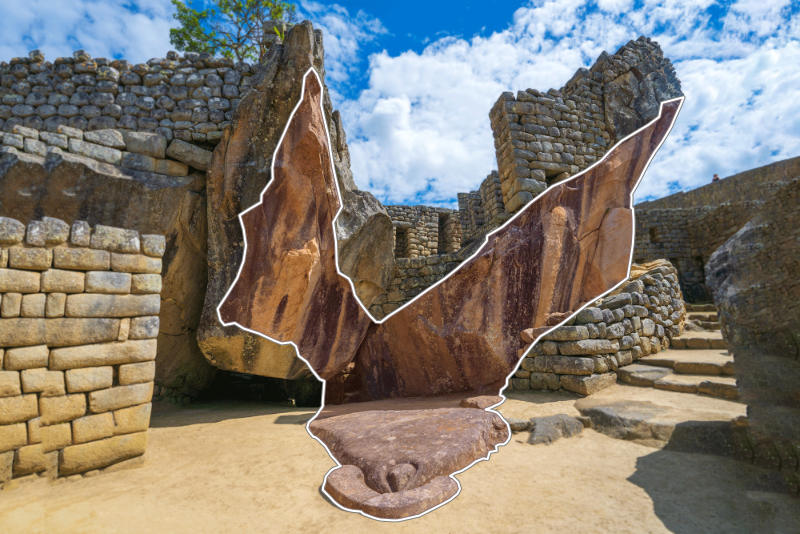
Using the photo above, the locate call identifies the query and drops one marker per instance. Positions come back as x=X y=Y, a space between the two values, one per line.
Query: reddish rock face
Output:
x=288 y=287
x=560 y=252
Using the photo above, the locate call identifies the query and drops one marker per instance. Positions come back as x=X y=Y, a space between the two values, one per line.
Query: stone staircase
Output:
x=696 y=362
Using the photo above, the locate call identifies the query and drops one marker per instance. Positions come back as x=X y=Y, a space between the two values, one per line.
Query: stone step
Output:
x=722 y=387
x=638 y=374
x=699 y=340
x=708 y=325
x=662 y=418
x=703 y=316
x=693 y=362
x=700 y=307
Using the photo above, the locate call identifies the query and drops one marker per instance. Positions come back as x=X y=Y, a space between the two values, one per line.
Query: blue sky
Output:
x=415 y=80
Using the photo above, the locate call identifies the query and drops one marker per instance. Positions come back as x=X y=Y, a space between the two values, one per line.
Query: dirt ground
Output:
x=226 y=467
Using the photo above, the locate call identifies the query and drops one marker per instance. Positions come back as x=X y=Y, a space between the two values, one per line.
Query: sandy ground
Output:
x=224 y=467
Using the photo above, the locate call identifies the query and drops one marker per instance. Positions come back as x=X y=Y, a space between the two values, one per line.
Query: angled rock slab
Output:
x=566 y=248
x=288 y=287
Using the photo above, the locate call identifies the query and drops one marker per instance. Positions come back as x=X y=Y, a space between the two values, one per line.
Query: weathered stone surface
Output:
x=461 y=335
x=56 y=436
x=135 y=373
x=59 y=332
x=753 y=277
x=133 y=419
x=89 y=379
x=235 y=183
x=115 y=239
x=107 y=282
x=92 y=427
x=97 y=454
x=120 y=397
x=46 y=383
x=81 y=259
x=101 y=354
x=291 y=252
x=641 y=375
x=392 y=453
x=54 y=410
x=60 y=281
x=135 y=263
x=146 y=283
x=149 y=144
x=11 y=231
x=154 y=245
x=546 y=430
x=17 y=409
x=110 y=138
x=190 y=154
x=19 y=281
x=26 y=357
x=98 y=305
x=13 y=437
x=33 y=305
x=9 y=384
x=587 y=384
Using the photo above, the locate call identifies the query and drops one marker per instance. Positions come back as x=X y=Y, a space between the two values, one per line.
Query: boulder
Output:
x=562 y=251
x=754 y=280
x=239 y=171
x=288 y=287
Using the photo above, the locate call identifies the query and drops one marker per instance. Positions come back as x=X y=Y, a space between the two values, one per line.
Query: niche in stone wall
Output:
x=443 y=237
x=400 y=242
x=654 y=235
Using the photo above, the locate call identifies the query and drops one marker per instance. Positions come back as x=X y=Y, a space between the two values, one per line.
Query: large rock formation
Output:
x=288 y=287
x=240 y=170
x=754 y=279
x=559 y=253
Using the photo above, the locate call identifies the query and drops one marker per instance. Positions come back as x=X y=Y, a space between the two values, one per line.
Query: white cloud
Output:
x=104 y=28
x=420 y=131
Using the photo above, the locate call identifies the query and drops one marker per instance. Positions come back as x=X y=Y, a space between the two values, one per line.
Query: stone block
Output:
x=55 y=305
x=108 y=137
x=97 y=152
x=97 y=305
x=540 y=381
x=135 y=263
x=73 y=133
x=81 y=259
x=92 y=427
x=96 y=454
x=16 y=281
x=12 y=231
x=101 y=354
x=105 y=400
x=589 y=315
x=146 y=283
x=18 y=409
x=43 y=381
x=13 y=436
x=144 y=328
x=648 y=327
x=56 y=231
x=61 y=409
x=34 y=259
x=26 y=357
x=6 y=466
x=135 y=373
x=11 y=305
x=190 y=154
x=134 y=419
x=33 y=459
x=89 y=379
x=56 y=436
x=587 y=346
x=80 y=234
x=60 y=332
x=9 y=384
x=589 y=384
x=108 y=282
x=33 y=305
x=567 y=333
x=154 y=245
x=571 y=365
x=59 y=281
x=115 y=239
x=124 y=329
x=149 y=144
x=518 y=200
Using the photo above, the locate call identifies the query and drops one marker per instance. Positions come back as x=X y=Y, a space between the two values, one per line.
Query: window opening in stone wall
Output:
x=654 y=237
x=443 y=238
x=400 y=242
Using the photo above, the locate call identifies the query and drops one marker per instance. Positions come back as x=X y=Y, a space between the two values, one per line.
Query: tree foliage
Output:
x=240 y=29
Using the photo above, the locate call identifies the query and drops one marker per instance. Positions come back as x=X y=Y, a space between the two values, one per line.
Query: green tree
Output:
x=240 y=29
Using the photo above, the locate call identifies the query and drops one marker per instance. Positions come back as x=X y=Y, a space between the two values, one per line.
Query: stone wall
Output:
x=483 y=210
x=134 y=151
x=422 y=231
x=190 y=97
x=583 y=355
x=544 y=137
x=688 y=227
x=78 y=326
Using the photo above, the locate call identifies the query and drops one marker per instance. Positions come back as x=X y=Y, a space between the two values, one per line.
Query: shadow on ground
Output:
x=166 y=414
x=690 y=492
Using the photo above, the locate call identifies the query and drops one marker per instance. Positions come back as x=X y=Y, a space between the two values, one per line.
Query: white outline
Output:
x=376 y=321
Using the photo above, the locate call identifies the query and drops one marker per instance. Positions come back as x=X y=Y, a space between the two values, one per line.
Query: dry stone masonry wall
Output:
x=424 y=231
x=78 y=325
x=190 y=97
x=583 y=355
x=542 y=138
x=688 y=227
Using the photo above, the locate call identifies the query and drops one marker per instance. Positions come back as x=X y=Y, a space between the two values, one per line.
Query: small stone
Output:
x=546 y=430
x=80 y=234
x=154 y=245
x=12 y=231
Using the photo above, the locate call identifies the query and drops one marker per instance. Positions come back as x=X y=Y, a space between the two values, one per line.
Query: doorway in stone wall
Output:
x=400 y=242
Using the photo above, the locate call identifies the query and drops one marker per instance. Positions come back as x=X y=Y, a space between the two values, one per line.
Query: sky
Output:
x=415 y=80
